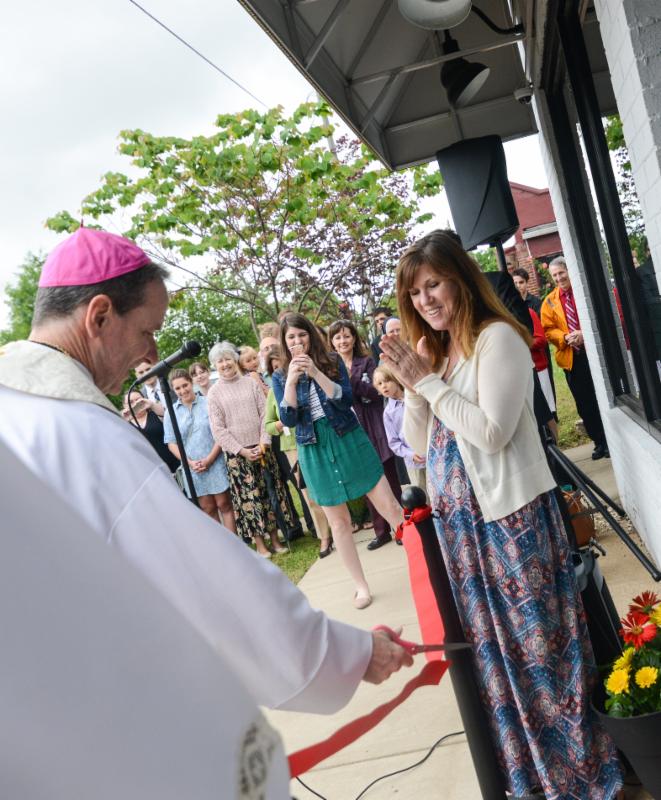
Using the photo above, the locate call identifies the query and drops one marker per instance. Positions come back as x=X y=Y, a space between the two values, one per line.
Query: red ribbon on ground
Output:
x=431 y=627
x=304 y=760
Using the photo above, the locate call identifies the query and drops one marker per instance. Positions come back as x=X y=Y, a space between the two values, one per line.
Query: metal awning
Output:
x=381 y=73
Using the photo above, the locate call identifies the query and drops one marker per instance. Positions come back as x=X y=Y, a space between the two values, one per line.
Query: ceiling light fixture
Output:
x=461 y=79
x=435 y=14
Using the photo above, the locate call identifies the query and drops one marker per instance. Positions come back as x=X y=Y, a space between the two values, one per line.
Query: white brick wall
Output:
x=631 y=32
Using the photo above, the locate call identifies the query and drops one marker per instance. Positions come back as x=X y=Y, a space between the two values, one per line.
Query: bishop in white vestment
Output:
x=106 y=693
x=99 y=303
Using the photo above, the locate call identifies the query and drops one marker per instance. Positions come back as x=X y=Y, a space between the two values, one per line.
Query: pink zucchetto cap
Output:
x=91 y=256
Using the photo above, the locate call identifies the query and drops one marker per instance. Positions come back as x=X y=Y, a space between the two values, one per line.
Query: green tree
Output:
x=487 y=259
x=265 y=205
x=20 y=297
x=205 y=316
x=633 y=216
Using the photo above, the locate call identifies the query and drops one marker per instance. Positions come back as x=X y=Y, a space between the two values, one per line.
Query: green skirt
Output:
x=339 y=468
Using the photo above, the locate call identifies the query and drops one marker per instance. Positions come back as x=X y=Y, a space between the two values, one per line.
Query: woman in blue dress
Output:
x=469 y=404
x=204 y=456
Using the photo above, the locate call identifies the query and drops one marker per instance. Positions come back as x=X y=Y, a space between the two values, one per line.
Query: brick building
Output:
x=537 y=237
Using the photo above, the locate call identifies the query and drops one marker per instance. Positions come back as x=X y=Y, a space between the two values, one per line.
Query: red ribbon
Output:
x=431 y=627
x=304 y=760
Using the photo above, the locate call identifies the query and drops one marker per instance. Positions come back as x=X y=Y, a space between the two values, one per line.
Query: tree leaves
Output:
x=20 y=297
x=268 y=204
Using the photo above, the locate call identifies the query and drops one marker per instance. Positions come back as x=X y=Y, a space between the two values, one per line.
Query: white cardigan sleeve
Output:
x=415 y=425
x=504 y=372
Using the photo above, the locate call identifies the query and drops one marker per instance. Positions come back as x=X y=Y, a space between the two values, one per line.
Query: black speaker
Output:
x=475 y=177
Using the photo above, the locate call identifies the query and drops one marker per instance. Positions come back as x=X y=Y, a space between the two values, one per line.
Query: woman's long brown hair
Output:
x=318 y=351
x=476 y=304
x=359 y=349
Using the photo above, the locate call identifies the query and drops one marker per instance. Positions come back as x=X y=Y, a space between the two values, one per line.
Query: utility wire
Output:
x=197 y=52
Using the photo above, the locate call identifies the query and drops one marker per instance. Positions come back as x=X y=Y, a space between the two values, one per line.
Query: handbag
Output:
x=581 y=515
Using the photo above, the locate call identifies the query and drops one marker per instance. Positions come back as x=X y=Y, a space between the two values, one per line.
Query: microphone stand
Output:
x=165 y=391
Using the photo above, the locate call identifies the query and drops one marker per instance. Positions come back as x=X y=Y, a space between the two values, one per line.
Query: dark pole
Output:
x=500 y=255
x=473 y=715
x=165 y=391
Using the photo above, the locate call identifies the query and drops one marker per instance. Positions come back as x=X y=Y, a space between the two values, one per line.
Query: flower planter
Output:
x=639 y=738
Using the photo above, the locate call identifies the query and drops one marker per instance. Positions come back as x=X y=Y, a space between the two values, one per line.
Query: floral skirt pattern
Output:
x=514 y=585
x=250 y=497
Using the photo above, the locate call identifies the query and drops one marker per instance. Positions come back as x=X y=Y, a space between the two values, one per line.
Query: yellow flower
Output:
x=655 y=616
x=618 y=681
x=646 y=676
x=624 y=661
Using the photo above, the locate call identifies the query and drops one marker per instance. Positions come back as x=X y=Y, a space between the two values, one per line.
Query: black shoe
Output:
x=327 y=551
x=600 y=451
x=379 y=541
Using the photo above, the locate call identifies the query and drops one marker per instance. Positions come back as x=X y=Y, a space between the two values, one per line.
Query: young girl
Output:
x=393 y=420
x=337 y=459
x=201 y=377
x=249 y=365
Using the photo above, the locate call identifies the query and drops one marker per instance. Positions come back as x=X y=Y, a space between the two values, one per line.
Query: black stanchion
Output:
x=167 y=397
x=473 y=716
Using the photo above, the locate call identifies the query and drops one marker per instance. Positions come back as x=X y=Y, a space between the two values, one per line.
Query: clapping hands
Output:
x=409 y=366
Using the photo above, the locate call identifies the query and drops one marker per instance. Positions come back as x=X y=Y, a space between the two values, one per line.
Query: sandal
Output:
x=356 y=526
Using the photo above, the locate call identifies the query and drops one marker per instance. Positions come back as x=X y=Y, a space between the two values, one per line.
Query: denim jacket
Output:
x=339 y=413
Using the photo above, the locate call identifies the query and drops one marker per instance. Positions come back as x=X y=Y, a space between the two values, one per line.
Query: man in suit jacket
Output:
x=563 y=330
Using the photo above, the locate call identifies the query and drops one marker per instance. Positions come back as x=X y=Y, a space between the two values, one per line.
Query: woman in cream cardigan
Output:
x=469 y=405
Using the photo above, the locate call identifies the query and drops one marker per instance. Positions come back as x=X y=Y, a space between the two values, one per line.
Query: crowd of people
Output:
x=309 y=412
x=454 y=394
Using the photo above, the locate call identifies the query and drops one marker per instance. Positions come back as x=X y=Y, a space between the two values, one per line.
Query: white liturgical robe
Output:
x=106 y=692
x=287 y=654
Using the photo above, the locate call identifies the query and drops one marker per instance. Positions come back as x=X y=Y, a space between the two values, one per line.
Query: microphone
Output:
x=189 y=350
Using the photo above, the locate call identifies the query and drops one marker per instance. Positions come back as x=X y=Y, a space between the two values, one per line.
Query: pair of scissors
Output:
x=414 y=649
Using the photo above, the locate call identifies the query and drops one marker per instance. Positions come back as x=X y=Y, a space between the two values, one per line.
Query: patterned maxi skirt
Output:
x=250 y=497
x=514 y=585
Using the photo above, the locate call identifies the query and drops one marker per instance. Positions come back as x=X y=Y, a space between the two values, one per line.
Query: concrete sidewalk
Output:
x=409 y=732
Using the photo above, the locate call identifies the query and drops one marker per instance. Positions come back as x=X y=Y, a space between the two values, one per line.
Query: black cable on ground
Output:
x=391 y=774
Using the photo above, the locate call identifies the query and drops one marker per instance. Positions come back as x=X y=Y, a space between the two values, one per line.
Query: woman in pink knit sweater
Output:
x=236 y=415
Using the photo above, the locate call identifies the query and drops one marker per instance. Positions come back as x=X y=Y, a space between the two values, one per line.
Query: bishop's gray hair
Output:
x=126 y=292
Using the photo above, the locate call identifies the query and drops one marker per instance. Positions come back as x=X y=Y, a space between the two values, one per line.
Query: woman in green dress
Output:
x=338 y=461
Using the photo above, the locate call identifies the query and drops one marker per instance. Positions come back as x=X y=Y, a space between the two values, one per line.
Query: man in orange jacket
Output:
x=563 y=330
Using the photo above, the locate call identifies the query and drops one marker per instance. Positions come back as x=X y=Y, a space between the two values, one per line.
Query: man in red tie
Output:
x=563 y=330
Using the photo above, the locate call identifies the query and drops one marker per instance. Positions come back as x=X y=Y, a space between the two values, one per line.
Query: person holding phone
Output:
x=338 y=461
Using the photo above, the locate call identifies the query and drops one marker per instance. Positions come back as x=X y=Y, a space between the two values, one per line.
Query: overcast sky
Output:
x=75 y=73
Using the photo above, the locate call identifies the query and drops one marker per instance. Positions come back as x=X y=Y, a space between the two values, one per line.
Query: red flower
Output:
x=637 y=629
x=644 y=602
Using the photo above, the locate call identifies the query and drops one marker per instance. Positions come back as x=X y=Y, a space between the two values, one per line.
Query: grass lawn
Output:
x=568 y=436
x=304 y=552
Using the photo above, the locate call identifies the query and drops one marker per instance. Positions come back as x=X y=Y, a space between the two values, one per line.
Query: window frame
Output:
x=567 y=59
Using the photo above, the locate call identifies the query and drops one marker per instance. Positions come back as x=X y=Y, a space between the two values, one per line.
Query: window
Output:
x=625 y=297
